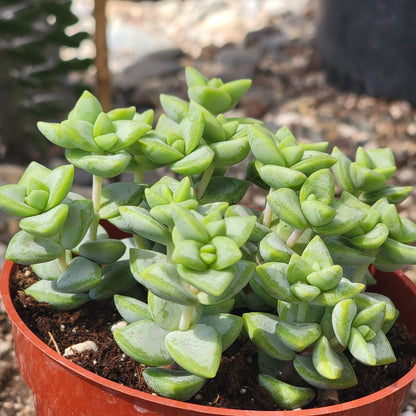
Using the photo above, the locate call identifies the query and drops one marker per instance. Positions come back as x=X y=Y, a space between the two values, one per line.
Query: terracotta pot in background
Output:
x=61 y=387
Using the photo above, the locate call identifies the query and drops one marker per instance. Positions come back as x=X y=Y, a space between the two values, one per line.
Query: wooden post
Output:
x=103 y=77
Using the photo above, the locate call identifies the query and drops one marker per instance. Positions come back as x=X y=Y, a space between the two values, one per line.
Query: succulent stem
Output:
x=186 y=317
x=267 y=215
x=294 y=237
x=359 y=273
x=97 y=184
x=302 y=312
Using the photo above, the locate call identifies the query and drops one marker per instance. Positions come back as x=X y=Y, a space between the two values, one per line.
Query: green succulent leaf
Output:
x=131 y=309
x=118 y=194
x=164 y=281
x=46 y=291
x=195 y=162
x=305 y=368
x=168 y=314
x=116 y=279
x=261 y=328
x=103 y=251
x=54 y=132
x=273 y=278
x=140 y=222
x=345 y=289
x=144 y=341
x=224 y=188
x=13 y=201
x=47 y=224
x=78 y=221
x=174 y=107
x=86 y=108
x=227 y=325
x=213 y=282
x=80 y=276
x=51 y=270
x=343 y=315
x=327 y=278
x=326 y=360
x=174 y=384
x=106 y=166
x=284 y=394
x=25 y=248
x=298 y=335
x=230 y=152
x=198 y=350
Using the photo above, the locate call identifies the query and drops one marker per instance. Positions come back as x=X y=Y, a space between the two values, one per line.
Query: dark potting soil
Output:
x=235 y=385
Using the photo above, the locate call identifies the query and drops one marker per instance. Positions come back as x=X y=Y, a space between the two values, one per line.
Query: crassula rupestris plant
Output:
x=200 y=270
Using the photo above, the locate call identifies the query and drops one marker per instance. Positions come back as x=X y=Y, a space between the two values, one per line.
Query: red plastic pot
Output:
x=61 y=387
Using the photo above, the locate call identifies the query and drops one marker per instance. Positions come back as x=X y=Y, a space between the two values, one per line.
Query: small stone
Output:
x=118 y=325
x=80 y=348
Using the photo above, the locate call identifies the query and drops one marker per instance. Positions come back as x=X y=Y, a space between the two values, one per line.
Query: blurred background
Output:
x=329 y=70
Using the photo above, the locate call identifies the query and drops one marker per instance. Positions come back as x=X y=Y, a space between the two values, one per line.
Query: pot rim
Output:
x=123 y=390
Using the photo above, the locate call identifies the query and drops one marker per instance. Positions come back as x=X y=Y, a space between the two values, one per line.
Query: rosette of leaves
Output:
x=95 y=141
x=320 y=314
x=367 y=177
x=190 y=292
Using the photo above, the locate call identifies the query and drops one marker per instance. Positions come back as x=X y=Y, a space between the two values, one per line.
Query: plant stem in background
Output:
x=296 y=234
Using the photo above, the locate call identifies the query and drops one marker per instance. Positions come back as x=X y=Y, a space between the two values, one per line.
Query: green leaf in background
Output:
x=131 y=309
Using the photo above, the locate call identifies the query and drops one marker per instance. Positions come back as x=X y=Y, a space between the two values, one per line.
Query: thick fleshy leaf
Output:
x=317 y=213
x=80 y=276
x=227 y=253
x=213 y=99
x=224 y=188
x=197 y=350
x=174 y=384
x=345 y=255
x=55 y=134
x=80 y=216
x=59 y=182
x=158 y=151
x=128 y=132
x=106 y=166
x=305 y=368
x=12 y=201
x=174 y=107
x=366 y=179
x=187 y=253
x=192 y=128
x=313 y=161
x=227 y=325
x=345 y=289
x=321 y=185
x=188 y=225
x=144 y=341
x=273 y=278
x=195 y=162
x=46 y=291
x=284 y=394
x=373 y=316
x=116 y=278
x=273 y=248
x=378 y=351
x=298 y=335
x=298 y=269
x=117 y=194
x=213 y=282
x=131 y=309
x=140 y=222
x=104 y=251
x=86 y=108
x=399 y=252
x=164 y=281
x=239 y=229
x=25 y=248
x=47 y=224
x=343 y=315
x=281 y=177
x=327 y=278
x=264 y=147
x=394 y=194
x=316 y=253
x=80 y=133
x=326 y=360
x=261 y=328
x=305 y=292
x=284 y=202
x=230 y=152
x=168 y=314
x=242 y=272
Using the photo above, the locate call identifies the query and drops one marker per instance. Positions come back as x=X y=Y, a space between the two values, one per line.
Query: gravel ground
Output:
x=289 y=88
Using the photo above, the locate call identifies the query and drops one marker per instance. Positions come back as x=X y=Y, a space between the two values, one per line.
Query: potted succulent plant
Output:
x=197 y=270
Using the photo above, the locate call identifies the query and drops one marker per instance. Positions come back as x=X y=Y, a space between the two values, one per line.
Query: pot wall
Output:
x=63 y=388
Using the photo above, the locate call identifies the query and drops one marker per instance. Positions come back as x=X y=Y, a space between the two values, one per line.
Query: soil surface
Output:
x=235 y=385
